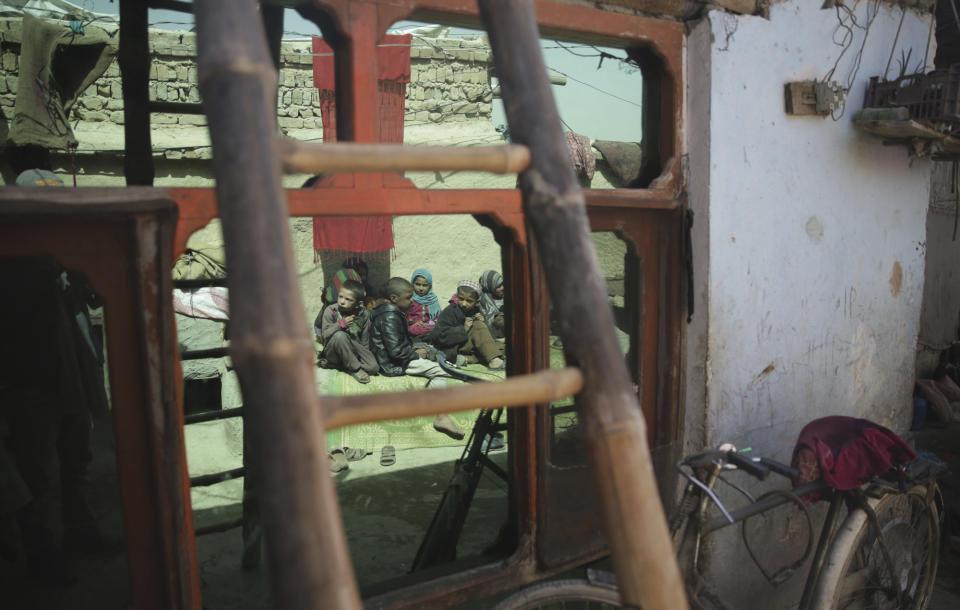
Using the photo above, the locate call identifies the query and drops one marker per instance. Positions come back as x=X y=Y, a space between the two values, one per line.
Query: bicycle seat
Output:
x=847 y=452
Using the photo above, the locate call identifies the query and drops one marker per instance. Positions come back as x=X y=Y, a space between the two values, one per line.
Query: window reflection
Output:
x=419 y=495
x=454 y=98
x=567 y=441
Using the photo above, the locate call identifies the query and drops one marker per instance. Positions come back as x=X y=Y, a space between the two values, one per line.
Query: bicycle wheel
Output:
x=565 y=594
x=856 y=574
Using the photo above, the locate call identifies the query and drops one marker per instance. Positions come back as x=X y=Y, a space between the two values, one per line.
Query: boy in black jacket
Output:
x=461 y=329
x=393 y=347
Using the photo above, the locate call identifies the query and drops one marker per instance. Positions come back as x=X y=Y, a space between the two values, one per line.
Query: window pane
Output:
x=567 y=443
x=417 y=496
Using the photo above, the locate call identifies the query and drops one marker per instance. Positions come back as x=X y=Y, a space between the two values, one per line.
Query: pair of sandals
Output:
x=341 y=456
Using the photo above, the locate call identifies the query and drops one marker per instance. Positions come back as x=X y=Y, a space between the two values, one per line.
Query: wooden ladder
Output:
x=306 y=547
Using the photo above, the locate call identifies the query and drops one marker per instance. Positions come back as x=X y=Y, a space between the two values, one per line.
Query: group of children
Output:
x=406 y=329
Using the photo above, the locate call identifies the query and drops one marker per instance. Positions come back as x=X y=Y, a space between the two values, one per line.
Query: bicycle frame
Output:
x=699 y=493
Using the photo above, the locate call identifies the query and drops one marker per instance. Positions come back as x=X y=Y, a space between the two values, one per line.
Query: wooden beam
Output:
x=134 y=63
x=310 y=158
x=516 y=391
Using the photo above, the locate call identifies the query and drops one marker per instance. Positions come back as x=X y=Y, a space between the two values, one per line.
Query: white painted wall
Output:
x=809 y=302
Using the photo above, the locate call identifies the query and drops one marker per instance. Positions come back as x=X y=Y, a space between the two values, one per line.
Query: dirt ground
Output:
x=386 y=510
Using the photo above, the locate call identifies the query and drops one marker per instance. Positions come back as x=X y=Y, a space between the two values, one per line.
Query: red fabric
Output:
x=362 y=234
x=849 y=451
x=419 y=313
x=344 y=235
x=581 y=153
x=393 y=74
x=393 y=61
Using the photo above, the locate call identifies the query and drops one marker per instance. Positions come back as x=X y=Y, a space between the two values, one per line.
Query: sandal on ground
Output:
x=388 y=455
x=355 y=454
x=445 y=425
x=497 y=364
x=338 y=460
x=361 y=376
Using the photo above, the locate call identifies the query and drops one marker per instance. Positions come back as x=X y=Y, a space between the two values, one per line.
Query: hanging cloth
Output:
x=371 y=235
x=56 y=67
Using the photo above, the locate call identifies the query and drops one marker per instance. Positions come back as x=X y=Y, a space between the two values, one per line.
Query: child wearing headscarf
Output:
x=422 y=315
x=462 y=330
x=491 y=302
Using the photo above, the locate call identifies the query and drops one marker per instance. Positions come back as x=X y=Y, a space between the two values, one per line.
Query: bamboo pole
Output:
x=525 y=390
x=311 y=158
x=643 y=555
x=309 y=565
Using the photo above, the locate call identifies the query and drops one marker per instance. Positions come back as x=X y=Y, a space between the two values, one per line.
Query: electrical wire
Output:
x=903 y=13
x=847 y=24
x=594 y=87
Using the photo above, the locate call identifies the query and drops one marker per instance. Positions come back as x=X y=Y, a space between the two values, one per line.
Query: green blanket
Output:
x=417 y=431
x=401 y=433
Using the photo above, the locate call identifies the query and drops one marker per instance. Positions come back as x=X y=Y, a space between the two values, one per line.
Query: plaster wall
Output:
x=813 y=233
x=816 y=264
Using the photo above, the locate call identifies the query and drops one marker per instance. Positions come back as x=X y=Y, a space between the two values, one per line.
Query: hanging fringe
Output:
x=350 y=257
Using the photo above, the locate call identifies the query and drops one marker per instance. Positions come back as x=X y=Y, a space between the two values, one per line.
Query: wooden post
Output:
x=134 y=63
x=643 y=554
x=309 y=565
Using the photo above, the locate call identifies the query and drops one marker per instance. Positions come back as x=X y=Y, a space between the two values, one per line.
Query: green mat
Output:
x=401 y=433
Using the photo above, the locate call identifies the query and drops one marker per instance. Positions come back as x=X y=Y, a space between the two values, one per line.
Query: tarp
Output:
x=52 y=9
x=56 y=67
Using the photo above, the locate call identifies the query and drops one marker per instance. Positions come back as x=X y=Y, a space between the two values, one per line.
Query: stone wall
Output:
x=450 y=81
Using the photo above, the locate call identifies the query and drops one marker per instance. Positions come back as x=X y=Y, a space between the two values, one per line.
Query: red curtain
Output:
x=364 y=234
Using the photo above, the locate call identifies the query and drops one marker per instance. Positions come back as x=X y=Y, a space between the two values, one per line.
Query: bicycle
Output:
x=882 y=554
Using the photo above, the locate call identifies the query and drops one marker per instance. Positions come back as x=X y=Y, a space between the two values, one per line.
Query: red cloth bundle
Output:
x=847 y=452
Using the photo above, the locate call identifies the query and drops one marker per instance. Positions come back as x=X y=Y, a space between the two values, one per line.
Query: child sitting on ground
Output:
x=393 y=346
x=345 y=334
x=425 y=308
x=491 y=302
x=330 y=291
x=461 y=329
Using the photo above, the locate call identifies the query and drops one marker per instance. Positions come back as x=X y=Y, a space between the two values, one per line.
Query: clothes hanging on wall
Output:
x=56 y=67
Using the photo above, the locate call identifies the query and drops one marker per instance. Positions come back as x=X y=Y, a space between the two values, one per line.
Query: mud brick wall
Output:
x=450 y=81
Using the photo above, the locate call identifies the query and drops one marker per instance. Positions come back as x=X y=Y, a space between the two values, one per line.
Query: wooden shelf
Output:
x=923 y=140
